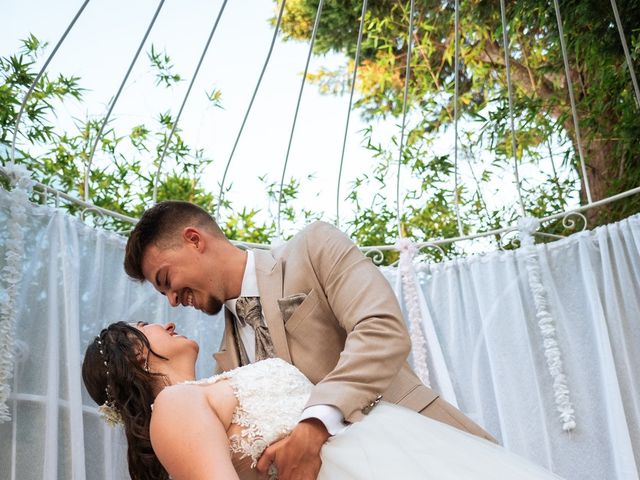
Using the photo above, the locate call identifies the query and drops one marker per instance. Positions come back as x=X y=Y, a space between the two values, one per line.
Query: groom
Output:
x=315 y=301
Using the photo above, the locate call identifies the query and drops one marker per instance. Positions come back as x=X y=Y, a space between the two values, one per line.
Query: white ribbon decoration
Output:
x=419 y=317
x=11 y=274
x=410 y=293
x=527 y=227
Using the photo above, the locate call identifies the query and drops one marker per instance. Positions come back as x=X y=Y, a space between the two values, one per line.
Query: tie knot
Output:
x=249 y=310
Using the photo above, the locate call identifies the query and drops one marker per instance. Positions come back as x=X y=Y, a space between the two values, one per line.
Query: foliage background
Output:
x=122 y=179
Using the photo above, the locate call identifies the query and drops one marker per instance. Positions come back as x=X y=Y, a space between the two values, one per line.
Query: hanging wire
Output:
x=404 y=116
x=37 y=79
x=246 y=115
x=574 y=111
x=115 y=99
x=184 y=102
x=346 y=127
x=295 y=115
x=627 y=56
x=507 y=64
x=455 y=112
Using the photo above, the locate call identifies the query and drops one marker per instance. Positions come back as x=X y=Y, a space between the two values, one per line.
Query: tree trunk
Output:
x=604 y=170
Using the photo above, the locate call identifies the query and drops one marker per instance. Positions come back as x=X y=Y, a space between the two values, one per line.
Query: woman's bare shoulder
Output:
x=178 y=401
x=176 y=394
x=175 y=401
x=187 y=435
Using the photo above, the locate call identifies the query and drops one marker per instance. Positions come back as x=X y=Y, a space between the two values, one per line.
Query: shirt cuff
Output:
x=329 y=415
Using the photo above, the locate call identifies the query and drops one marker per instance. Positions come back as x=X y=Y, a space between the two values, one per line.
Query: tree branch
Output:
x=493 y=54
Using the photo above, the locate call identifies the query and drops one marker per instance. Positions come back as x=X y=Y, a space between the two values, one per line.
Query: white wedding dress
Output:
x=391 y=442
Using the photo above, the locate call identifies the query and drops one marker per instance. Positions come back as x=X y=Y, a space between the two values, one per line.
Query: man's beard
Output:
x=213 y=306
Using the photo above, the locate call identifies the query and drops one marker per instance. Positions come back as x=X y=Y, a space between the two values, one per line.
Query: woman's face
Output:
x=166 y=341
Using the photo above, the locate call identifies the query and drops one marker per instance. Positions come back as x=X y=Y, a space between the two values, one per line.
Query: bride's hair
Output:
x=114 y=374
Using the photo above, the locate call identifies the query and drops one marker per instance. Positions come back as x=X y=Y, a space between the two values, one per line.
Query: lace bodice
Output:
x=271 y=396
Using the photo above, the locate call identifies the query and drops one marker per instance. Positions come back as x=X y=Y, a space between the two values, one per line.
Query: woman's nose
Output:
x=170 y=327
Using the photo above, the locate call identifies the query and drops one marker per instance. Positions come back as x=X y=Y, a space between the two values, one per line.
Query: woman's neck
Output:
x=174 y=375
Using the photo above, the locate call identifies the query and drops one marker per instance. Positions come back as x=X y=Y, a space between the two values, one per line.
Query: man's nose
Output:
x=173 y=298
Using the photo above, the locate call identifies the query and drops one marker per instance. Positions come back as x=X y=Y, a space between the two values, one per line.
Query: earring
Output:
x=146 y=365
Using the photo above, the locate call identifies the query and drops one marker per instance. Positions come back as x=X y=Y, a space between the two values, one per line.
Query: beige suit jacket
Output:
x=347 y=336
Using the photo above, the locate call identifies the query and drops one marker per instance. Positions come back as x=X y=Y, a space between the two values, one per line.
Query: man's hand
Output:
x=297 y=457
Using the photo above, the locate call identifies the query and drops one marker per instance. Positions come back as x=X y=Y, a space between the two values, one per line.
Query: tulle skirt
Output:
x=393 y=442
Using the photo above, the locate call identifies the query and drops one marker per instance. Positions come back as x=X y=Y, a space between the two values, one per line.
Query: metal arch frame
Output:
x=246 y=115
x=316 y=23
x=407 y=76
x=356 y=62
x=46 y=190
x=58 y=195
x=507 y=65
x=456 y=106
x=87 y=173
x=23 y=105
x=627 y=56
x=572 y=100
x=184 y=102
x=512 y=228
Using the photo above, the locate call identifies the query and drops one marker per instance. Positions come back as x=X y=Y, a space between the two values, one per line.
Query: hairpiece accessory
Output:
x=110 y=414
x=108 y=411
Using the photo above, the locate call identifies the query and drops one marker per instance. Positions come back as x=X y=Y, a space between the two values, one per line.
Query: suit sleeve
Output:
x=365 y=306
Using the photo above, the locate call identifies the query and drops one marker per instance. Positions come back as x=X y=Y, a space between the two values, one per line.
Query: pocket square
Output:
x=289 y=304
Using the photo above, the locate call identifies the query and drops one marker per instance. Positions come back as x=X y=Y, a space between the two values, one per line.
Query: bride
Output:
x=143 y=376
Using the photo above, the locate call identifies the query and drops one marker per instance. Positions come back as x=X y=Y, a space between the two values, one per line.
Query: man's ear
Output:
x=192 y=236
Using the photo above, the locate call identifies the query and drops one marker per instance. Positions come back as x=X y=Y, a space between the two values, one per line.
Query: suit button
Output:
x=367 y=408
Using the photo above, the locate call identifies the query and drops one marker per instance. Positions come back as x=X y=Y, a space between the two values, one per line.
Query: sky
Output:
x=103 y=42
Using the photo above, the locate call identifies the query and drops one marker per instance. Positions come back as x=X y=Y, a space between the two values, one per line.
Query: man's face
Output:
x=184 y=276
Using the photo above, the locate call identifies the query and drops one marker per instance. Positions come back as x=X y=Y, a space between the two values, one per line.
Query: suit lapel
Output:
x=227 y=358
x=269 y=276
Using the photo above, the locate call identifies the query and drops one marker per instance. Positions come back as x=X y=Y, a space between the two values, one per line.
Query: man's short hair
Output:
x=162 y=225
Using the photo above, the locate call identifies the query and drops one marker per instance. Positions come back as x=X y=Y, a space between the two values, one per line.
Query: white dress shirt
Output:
x=329 y=415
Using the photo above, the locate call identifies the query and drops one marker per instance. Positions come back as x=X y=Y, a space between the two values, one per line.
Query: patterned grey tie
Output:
x=249 y=310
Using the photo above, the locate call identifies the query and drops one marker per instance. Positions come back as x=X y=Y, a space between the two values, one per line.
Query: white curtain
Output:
x=480 y=310
x=483 y=312
x=73 y=284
